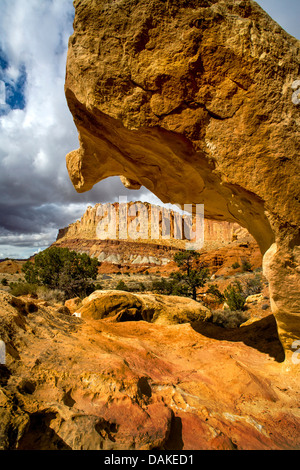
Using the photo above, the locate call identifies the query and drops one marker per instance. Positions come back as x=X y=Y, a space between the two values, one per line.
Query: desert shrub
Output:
x=50 y=295
x=60 y=268
x=228 y=318
x=22 y=288
x=234 y=296
x=136 y=287
x=59 y=295
x=252 y=286
x=246 y=265
x=4 y=282
x=235 y=265
x=122 y=286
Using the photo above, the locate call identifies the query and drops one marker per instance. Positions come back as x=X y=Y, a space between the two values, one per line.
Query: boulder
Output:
x=73 y=304
x=125 y=306
x=254 y=298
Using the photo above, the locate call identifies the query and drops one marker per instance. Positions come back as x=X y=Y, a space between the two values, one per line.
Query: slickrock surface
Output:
x=197 y=102
x=70 y=383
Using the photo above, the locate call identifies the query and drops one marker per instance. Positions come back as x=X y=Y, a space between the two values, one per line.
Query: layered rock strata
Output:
x=148 y=223
x=197 y=102
x=152 y=240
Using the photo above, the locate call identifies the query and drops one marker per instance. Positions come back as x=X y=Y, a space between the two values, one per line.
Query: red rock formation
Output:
x=94 y=384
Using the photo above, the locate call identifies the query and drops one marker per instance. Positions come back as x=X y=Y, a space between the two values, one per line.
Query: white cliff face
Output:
x=153 y=234
x=141 y=234
x=147 y=223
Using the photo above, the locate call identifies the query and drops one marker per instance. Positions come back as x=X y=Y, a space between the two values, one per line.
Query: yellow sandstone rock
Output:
x=153 y=308
x=73 y=384
x=195 y=101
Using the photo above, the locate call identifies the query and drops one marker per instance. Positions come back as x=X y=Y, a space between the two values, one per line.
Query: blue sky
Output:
x=36 y=127
x=12 y=91
x=285 y=12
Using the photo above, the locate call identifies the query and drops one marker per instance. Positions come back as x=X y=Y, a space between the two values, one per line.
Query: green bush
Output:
x=4 y=282
x=234 y=296
x=97 y=286
x=62 y=269
x=22 y=288
x=170 y=287
x=235 y=265
x=213 y=289
x=122 y=286
x=162 y=286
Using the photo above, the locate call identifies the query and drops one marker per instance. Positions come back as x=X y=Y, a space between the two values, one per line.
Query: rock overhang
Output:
x=196 y=102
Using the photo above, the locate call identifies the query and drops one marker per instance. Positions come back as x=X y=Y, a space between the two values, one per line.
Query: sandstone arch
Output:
x=196 y=100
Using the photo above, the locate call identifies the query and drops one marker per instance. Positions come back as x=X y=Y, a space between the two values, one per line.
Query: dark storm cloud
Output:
x=36 y=127
x=55 y=209
x=37 y=130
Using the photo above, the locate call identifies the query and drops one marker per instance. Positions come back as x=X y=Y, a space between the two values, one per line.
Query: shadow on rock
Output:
x=4 y=374
x=261 y=335
x=175 y=441
x=40 y=436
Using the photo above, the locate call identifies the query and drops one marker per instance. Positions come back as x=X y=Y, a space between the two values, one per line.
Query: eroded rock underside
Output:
x=86 y=383
x=197 y=101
